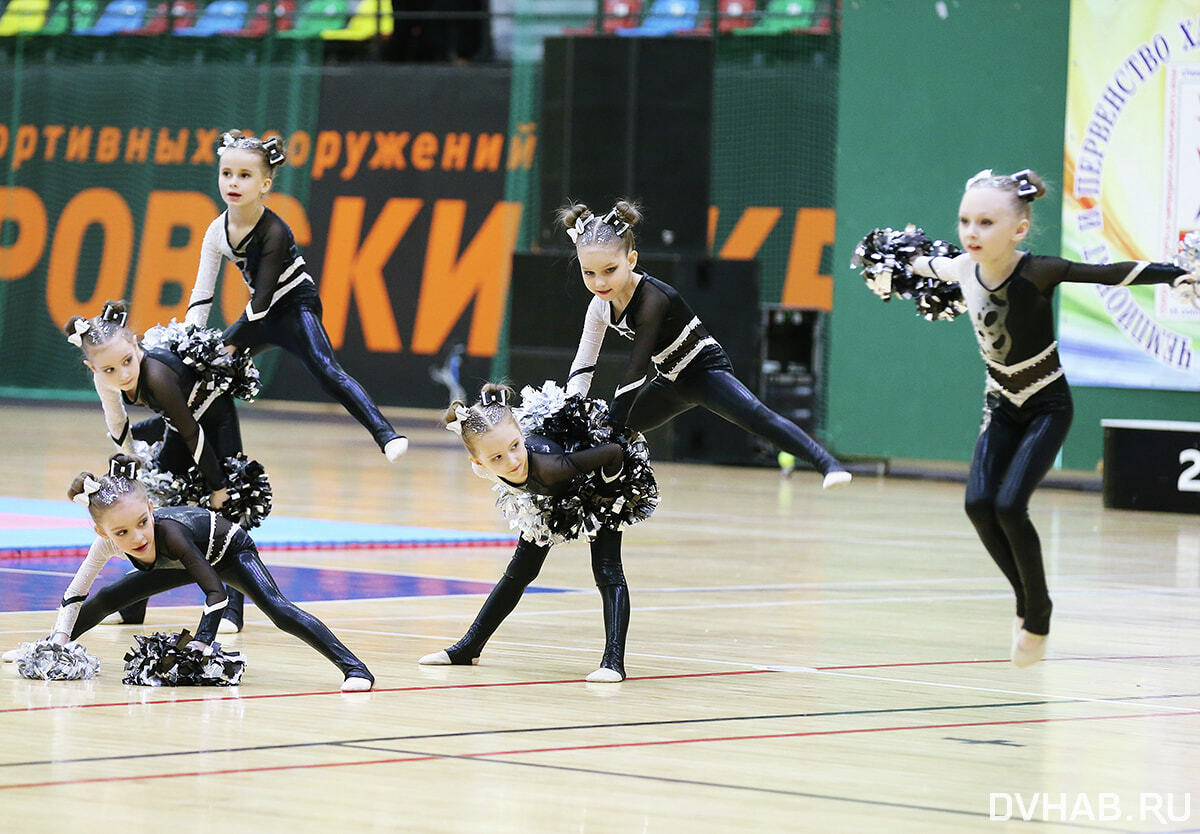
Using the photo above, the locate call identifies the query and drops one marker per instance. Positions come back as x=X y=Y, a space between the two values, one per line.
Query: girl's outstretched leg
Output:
x=725 y=395
x=311 y=346
x=526 y=562
x=244 y=570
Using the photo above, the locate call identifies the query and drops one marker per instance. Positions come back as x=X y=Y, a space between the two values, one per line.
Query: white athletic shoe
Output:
x=228 y=627
x=1017 y=624
x=605 y=675
x=1029 y=648
x=395 y=447
x=435 y=659
x=113 y=619
x=11 y=655
x=835 y=479
x=357 y=684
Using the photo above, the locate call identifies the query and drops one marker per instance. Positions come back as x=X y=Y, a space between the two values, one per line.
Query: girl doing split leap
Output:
x=284 y=308
x=675 y=364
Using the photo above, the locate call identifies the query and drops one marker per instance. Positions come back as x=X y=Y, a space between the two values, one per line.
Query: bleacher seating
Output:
x=221 y=17
x=86 y=12
x=24 y=16
x=371 y=17
x=316 y=16
x=118 y=16
x=259 y=24
x=618 y=14
x=783 y=16
x=666 y=17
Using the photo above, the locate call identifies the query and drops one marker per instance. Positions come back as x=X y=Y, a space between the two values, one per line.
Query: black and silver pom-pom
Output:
x=575 y=423
x=168 y=490
x=248 y=494
x=1188 y=258
x=48 y=661
x=885 y=257
x=205 y=353
x=165 y=660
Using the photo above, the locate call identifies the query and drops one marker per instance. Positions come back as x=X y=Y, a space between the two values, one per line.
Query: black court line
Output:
x=569 y=727
x=671 y=780
x=628 y=745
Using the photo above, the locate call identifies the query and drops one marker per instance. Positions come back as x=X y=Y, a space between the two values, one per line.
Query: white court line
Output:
x=1022 y=693
x=764 y=604
x=804 y=669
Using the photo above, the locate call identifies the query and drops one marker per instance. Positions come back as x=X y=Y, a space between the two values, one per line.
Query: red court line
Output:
x=571 y=680
x=610 y=746
x=391 y=689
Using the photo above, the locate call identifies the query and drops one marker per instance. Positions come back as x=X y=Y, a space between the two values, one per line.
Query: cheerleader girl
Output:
x=170 y=547
x=675 y=364
x=284 y=308
x=199 y=428
x=1027 y=411
x=548 y=494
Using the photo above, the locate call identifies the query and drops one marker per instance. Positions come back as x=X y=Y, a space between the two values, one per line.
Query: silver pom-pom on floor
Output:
x=166 y=660
x=48 y=661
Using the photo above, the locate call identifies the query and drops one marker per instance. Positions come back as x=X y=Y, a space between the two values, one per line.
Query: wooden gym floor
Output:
x=799 y=661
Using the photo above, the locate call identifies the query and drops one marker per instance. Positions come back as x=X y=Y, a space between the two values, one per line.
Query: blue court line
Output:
x=276 y=531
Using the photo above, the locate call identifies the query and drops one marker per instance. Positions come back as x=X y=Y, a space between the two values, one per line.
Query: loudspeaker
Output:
x=628 y=117
x=546 y=318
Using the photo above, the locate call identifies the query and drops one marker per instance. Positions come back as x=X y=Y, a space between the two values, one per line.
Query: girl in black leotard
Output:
x=675 y=364
x=198 y=427
x=544 y=491
x=1027 y=412
x=284 y=308
x=174 y=546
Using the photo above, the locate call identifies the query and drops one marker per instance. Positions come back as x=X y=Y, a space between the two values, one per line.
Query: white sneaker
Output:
x=357 y=684
x=836 y=479
x=227 y=627
x=395 y=447
x=1029 y=648
x=605 y=675
x=435 y=659
x=11 y=655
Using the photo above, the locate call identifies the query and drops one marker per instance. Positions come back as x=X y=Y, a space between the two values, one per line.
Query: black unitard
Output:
x=197 y=429
x=676 y=365
x=284 y=310
x=189 y=540
x=1028 y=406
x=550 y=473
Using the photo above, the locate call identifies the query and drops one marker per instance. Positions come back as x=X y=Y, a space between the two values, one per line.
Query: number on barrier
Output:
x=1189 y=478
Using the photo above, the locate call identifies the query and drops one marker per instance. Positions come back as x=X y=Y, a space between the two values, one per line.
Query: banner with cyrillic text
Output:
x=1131 y=189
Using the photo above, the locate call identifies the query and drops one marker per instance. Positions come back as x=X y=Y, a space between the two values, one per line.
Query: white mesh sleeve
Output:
x=115 y=416
x=98 y=555
x=206 y=275
x=584 y=366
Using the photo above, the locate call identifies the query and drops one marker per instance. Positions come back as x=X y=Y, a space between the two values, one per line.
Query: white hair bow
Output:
x=81 y=326
x=90 y=486
x=455 y=425
x=581 y=224
x=1025 y=188
x=613 y=219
